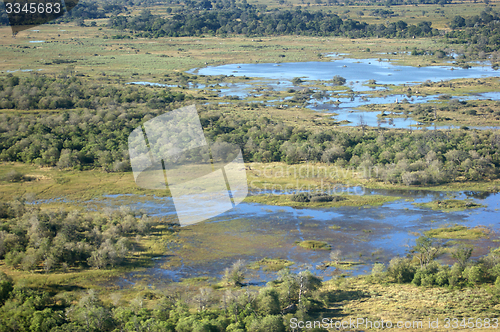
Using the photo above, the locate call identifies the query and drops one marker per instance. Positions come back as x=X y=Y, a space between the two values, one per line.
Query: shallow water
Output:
x=357 y=73
x=362 y=70
x=371 y=234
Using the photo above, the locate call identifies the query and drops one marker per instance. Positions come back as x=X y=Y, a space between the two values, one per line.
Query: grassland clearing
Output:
x=351 y=298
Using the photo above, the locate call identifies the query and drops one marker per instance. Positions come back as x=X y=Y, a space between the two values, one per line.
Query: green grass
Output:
x=153 y=58
x=271 y=264
x=315 y=245
x=450 y=205
x=459 y=232
x=69 y=184
x=351 y=298
x=282 y=177
x=342 y=265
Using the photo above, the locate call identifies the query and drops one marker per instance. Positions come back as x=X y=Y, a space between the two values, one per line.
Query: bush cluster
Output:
x=31 y=239
x=316 y=197
x=463 y=273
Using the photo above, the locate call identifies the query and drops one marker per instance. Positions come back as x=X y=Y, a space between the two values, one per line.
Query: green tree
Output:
x=91 y=313
x=338 y=80
x=426 y=250
x=6 y=287
x=462 y=254
x=268 y=302
x=401 y=270
x=236 y=274
x=271 y=323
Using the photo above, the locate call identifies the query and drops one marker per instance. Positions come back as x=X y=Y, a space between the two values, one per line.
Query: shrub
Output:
x=268 y=300
x=121 y=166
x=302 y=197
x=428 y=280
x=417 y=279
x=305 y=198
x=401 y=270
x=494 y=271
x=235 y=275
x=455 y=274
x=338 y=80
x=6 y=211
x=474 y=274
x=6 y=286
x=271 y=323
x=322 y=198
x=443 y=276
x=14 y=176
x=378 y=271
x=426 y=276
x=497 y=284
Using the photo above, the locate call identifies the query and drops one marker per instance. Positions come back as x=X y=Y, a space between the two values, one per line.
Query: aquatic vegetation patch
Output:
x=342 y=265
x=339 y=200
x=451 y=205
x=304 y=197
x=271 y=264
x=459 y=232
x=315 y=245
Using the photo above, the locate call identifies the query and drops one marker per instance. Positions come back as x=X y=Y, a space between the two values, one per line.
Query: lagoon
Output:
x=367 y=234
x=357 y=73
x=352 y=70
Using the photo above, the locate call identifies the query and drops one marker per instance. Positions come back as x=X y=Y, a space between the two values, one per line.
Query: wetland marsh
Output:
x=253 y=231
x=370 y=143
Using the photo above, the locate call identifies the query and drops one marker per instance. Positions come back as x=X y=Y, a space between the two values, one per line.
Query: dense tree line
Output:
x=251 y=21
x=89 y=10
x=95 y=135
x=31 y=239
x=98 y=138
x=420 y=157
x=421 y=268
x=68 y=92
x=480 y=32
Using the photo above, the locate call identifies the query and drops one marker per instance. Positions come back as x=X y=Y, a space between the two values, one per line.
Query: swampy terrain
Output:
x=366 y=234
x=369 y=138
